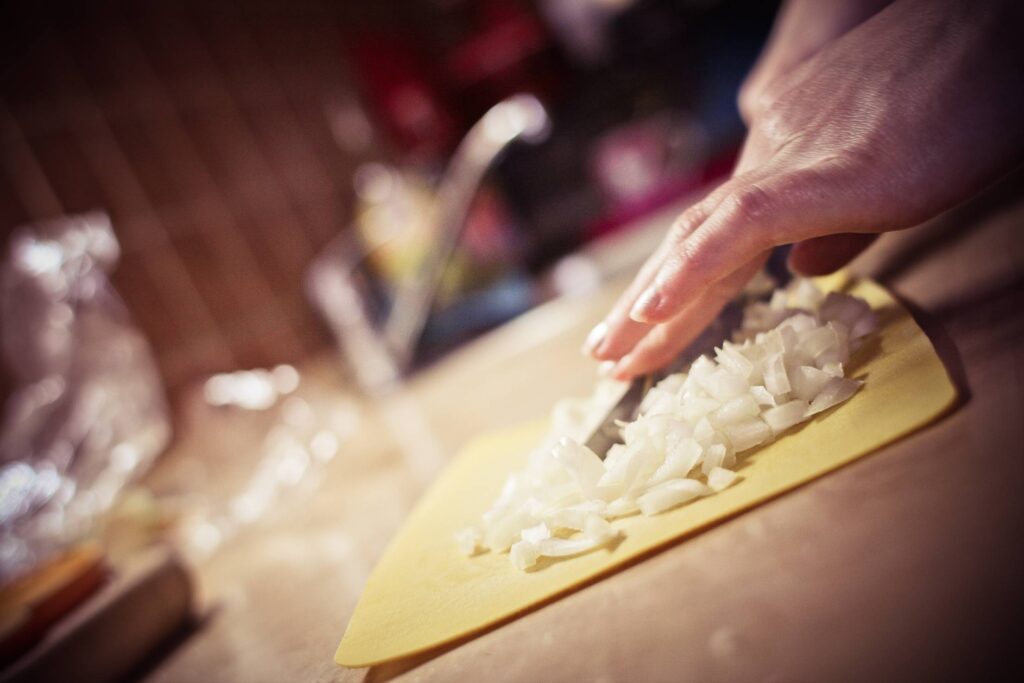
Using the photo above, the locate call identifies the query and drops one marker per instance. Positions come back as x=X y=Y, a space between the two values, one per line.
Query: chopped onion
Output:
x=670 y=494
x=536 y=534
x=620 y=507
x=747 y=434
x=678 y=462
x=583 y=465
x=724 y=385
x=785 y=364
x=762 y=396
x=720 y=478
x=734 y=361
x=524 y=555
x=468 y=540
x=776 y=381
x=785 y=416
x=736 y=410
x=835 y=391
x=713 y=457
x=807 y=382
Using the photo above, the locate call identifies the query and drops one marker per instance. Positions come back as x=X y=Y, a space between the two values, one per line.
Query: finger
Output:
x=824 y=255
x=617 y=329
x=619 y=333
x=756 y=216
x=667 y=340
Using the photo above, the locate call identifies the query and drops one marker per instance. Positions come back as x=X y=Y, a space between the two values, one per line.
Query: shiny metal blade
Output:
x=607 y=433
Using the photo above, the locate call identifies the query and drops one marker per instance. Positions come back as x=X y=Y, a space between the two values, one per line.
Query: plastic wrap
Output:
x=87 y=413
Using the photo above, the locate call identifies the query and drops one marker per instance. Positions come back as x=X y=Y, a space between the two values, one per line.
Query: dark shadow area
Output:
x=169 y=645
x=944 y=347
x=952 y=226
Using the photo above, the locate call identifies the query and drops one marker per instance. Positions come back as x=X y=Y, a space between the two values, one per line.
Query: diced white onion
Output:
x=747 y=434
x=720 y=478
x=583 y=465
x=785 y=416
x=807 y=382
x=776 y=381
x=785 y=364
x=524 y=555
x=736 y=410
x=468 y=540
x=762 y=396
x=678 y=461
x=714 y=456
x=670 y=494
x=837 y=390
x=536 y=534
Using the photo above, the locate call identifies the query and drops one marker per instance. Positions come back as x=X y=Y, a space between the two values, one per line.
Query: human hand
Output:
x=801 y=29
x=902 y=117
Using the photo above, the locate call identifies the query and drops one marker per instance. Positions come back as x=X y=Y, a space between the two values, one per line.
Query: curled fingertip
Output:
x=606 y=368
x=646 y=306
x=623 y=370
x=594 y=338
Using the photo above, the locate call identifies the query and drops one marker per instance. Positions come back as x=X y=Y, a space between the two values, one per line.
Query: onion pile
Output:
x=784 y=365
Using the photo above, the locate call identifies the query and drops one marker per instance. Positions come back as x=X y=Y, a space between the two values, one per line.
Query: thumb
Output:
x=823 y=255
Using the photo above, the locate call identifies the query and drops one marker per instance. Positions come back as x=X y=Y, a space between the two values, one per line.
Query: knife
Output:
x=604 y=432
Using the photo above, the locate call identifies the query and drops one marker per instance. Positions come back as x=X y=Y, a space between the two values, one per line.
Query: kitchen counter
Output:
x=901 y=566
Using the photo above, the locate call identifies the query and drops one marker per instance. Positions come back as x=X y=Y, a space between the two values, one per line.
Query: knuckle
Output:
x=695 y=260
x=751 y=203
x=746 y=102
x=686 y=223
x=773 y=117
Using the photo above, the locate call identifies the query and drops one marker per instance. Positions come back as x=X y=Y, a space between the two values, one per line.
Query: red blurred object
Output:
x=508 y=50
x=405 y=95
x=426 y=97
x=505 y=37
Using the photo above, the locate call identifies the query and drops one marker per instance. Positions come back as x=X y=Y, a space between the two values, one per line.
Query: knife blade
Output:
x=605 y=432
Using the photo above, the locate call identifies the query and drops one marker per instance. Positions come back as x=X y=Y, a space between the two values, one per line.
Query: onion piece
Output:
x=865 y=325
x=736 y=410
x=714 y=456
x=524 y=555
x=776 y=381
x=585 y=468
x=575 y=516
x=678 y=462
x=724 y=385
x=785 y=416
x=747 y=434
x=837 y=390
x=564 y=547
x=468 y=540
x=734 y=361
x=620 y=507
x=763 y=396
x=536 y=534
x=669 y=494
x=807 y=382
x=720 y=478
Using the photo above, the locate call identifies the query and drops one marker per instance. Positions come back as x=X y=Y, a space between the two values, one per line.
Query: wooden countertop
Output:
x=902 y=566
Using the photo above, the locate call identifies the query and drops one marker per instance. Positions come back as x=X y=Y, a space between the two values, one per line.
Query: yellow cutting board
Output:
x=423 y=593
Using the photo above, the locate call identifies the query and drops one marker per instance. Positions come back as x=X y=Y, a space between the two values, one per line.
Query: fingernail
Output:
x=595 y=337
x=645 y=305
x=605 y=369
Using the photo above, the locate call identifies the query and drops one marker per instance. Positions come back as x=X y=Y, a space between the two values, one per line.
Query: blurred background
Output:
x=226 y=224
x=229 y=142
